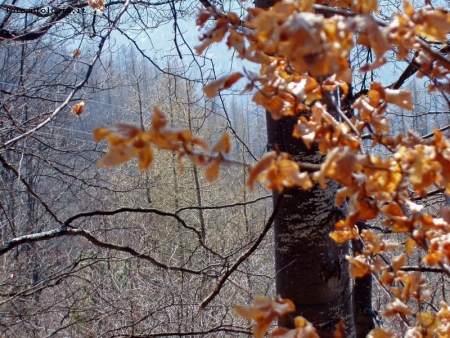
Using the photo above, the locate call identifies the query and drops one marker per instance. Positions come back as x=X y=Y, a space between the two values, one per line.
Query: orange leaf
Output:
x=97 y=5
x=100 y=133
x=264 y=311
x=145 y=157
x=262 y=165
x=76 y=53
x=358 y=266
x=78 y=108
x=394 y=308
x=410 y=244
x=117 y=156
x=212 y=171
x=223 y=145
x=158 y=119
x=223 y=83
x=398 y=262
x=380 y=333
x=401 y=98
x=340 y=330
x=127 y=131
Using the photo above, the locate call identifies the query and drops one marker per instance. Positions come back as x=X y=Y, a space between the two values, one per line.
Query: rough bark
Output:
x=311 y=269
x=363 y=314
x=362 y=305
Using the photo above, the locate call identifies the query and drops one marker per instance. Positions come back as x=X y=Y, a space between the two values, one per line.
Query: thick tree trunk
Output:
x=311 y=269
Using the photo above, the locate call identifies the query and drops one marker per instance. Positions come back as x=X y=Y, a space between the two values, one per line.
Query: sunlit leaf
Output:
x=397 y=307
x=78 y=108
x=358 y=266
x=223 y=83
x=97 y=5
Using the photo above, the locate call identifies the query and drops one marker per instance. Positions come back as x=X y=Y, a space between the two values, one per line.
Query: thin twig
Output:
x=242 y=257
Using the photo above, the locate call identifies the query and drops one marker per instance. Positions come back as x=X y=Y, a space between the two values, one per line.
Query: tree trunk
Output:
x=311 y=269
x=363 y=314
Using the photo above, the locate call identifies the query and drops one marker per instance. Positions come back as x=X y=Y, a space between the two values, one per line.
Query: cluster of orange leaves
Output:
x=293 y=78
x=264 y=311
x=128 y=141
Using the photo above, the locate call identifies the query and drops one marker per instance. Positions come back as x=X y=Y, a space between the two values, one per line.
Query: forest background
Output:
x=116 y=252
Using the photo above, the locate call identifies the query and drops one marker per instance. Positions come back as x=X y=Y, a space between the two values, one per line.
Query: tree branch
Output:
x=29 y=35
x=242 y=257
x=65 y=231
x=8 y=166
x=142 y=210
x=77 y=87
x=223 y=206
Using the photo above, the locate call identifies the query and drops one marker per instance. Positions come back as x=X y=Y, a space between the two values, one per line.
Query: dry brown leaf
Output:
x=223 y=145
x=340 y=330
x=264 y=311
x=212 y=171
x=76 y=53
x=397 y=307
x=97 y=5
x=380 y=333
x=223 y=83
x=78 y=109
x=100 y=133
x=358 y=266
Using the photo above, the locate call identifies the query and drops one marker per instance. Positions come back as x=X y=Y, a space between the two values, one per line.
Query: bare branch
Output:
x=65 y=231
x=242 y=257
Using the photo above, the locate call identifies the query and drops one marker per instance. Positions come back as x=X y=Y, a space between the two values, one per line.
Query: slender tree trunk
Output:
x=363 y=313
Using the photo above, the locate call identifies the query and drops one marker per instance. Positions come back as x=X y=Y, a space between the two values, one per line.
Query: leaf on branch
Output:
x=401 y=98
x=340 y=330
x=97 y=5
x=428 y=320
x=78 y=109
x=264 y=311
x=223 y=83
x=223 y=145
x=215 y=34
x=212 y=171
x=397 y=307
x=100 y=133
x=128 y=141
x=280 y=172
x=343 y=232
x=358 y=266
x=304 y=328
x=262 y=165
x=76 y=53
x=398 y=262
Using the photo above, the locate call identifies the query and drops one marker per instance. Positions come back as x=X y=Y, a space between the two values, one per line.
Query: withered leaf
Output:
x=223 y=145
x=78 y=109
x=212 y=171
x=223 y=83
x=76 y=53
